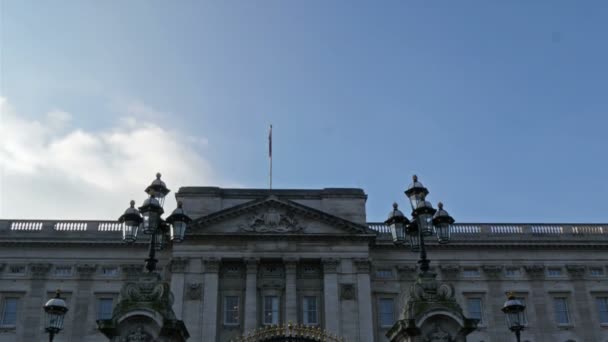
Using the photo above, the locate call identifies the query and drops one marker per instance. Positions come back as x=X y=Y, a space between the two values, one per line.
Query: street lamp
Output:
x=147 y=218
x=55 y=310
x=426 y=221
x=514 y=309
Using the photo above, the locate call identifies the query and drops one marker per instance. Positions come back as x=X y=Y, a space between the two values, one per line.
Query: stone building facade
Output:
x=258 y=257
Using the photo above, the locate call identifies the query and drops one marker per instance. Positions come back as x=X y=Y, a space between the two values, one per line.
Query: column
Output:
x=330 y=295
x=210 y=293
x=291 y=297
x=34 y=302
x=582 y=304
x=538 y=298
x=83 y=299
x=364 y=296
x=251 y=294
x=178 y=268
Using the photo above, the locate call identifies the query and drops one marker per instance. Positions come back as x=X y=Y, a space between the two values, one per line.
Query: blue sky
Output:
x=499 y=106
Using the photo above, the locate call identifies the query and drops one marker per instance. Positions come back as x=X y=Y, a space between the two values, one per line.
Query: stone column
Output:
x=495 y=318
x=544 y=316
x=583 y=304
x=364 y=297
x=251 y=294
x=178 y=268
x=291 y=297
x=83 y=299
x=210 y=300
x=330 y=295
x=35 y=299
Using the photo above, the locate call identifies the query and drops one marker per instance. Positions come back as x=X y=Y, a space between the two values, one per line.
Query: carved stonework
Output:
x=39 y=270
x=406 y=272
x=137 y=335
x=438 y=335
x=362 y=265
x=347 y=292
x=330 y=265
x=291 y=265
x=273 y=221
x=86 y=270
x=194 y=291
x=251 y=265
x=132 y=270
x=492 y=271
x=450 y=271
x=178 y=265
x=535 y=271
x=576 y=271
x=212 y=265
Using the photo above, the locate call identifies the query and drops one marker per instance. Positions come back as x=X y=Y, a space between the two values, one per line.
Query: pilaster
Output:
x=251 y=278
x=210 y=292
x=36 y=297
x=178 y=268
x=291 y=299
x=330 y=295
x=364 y=293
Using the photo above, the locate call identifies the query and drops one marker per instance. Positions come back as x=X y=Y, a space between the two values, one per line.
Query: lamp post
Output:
x=55 y=310
x=148 y=219
x=514 y=309
x=426 y=221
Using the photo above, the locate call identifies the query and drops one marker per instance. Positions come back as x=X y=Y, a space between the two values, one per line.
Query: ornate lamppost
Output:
x=426 y=221
x=55 y=310
x=148 y=219
x=514 y=309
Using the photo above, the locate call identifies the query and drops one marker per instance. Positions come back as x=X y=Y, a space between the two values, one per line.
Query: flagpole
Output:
x=270 y=155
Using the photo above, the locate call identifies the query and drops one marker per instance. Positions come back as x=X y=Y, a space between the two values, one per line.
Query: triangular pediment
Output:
x=273 y=216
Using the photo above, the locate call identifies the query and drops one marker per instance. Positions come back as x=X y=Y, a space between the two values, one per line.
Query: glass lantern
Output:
x=55 y=310
x=158 y=190
x=416 y=192
x=514 y=309
x=160 y=237
x=442 y=222
x=151 y=212
x=424 y=217
x=413 y=235
x=131 y=220
x=397 y=222
x=179 y=222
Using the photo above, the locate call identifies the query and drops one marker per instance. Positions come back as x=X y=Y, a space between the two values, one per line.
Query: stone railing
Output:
x=462 y=231
x=62 y=226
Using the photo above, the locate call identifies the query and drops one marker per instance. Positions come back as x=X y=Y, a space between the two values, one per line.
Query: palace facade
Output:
x=256 y=257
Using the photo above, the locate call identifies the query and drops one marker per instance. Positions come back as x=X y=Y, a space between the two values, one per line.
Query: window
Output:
x=560 y=305
x=512 y=272
x=596 y=271
x=271 y=310
x=109 y=271
x=602 y=307
x=17 y=269
x=63 y=271
x=104 y=308
x=554 y=272
x=310 y=314
x=9 y=312
x=231 y=310
x=386 y=312
x=470 y=272
x=475 y=309
x=384 y=273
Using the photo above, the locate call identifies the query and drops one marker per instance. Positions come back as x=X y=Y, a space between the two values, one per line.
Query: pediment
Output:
x=275 y=216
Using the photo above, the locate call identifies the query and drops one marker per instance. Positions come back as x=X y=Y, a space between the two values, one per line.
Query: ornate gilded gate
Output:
x=289 y=333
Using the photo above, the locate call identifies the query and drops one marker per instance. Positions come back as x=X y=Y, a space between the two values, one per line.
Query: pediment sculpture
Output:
x=272 y=221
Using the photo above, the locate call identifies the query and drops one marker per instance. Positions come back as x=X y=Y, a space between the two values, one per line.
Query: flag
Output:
x=270 y=142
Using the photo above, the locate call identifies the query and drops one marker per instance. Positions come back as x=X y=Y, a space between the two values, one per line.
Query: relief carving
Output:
x=194 y=291
x=438 y=335
x=273 y=221
x=347 y=292
x=178 y=265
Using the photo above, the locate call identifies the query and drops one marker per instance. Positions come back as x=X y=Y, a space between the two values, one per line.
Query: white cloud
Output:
x=71 y=173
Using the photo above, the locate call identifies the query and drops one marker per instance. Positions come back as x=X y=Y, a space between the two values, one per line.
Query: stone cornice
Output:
x=39 y=270
x=86 y=270
x=535 y=271
x=576 y=271
x=493 y=271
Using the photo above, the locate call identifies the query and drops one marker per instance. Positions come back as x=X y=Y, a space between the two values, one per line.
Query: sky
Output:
x=500 y=107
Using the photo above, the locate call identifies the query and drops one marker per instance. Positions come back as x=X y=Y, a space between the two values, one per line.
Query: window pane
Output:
x=309 y=313
x=9 y=312
x=104 y=308
x=231 y=310
x=385 y=312
x=271 y=310
x=561 y=310
x=602 y=306
x=474 y=309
